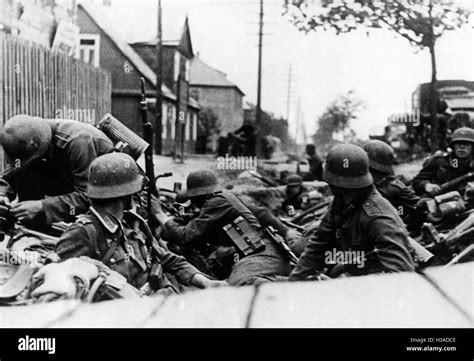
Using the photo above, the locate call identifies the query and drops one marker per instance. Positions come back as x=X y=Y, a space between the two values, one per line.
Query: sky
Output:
x=381 y=68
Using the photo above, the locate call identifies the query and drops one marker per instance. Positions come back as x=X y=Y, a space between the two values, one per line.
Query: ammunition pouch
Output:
x=123 y=138
x=155 y=277
x=446 y=204
x=244 y=237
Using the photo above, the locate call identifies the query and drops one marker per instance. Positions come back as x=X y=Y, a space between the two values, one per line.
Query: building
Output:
x=102 y=45
x=211 y=89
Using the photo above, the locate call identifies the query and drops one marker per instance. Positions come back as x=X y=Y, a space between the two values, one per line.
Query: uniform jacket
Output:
x=369 y=223
x=216 y=213
x=440 y=169
x=59 y=179
x=135 y=254
x=402 y=198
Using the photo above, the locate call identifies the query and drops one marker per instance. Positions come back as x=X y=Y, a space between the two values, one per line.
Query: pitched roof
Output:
x=205 y=75
x=138 y=21
x=97 y=15
x=103 y=22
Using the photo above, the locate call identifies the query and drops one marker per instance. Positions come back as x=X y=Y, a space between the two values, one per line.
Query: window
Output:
x=172 y=120
x=177 y=64
x=88 y=49
x=187 y=70
x=195 y=120
x=187 y=127
x=164 y=121
x=194 y=94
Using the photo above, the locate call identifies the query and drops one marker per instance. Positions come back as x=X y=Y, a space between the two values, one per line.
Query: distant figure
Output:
x=248 y=136
x=315 y=164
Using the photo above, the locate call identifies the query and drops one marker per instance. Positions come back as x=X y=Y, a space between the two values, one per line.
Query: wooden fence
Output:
x=38 y=82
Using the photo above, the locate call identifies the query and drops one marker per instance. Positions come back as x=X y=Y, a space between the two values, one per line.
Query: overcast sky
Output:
x=381 y=68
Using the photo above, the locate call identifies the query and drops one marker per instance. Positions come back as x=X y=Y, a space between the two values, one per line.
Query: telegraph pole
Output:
x=288 y=95
x=259 y=80
x=159 y=82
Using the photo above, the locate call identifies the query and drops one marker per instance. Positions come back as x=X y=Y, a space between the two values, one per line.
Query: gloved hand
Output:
x=58 y=279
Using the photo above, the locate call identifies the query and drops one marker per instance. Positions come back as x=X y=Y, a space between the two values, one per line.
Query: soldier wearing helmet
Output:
x=381 y=160
x=113 y=234
x=444 y=167
x=359 y=222
x=48 y=163
x=211 y=234
x=293 y=194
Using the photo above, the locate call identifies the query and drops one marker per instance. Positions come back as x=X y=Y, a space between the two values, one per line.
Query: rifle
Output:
x=314 y=208
x=452 y=183
x=275 y=237
x=148 y=136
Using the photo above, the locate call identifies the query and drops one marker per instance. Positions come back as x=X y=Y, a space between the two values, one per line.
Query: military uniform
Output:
x=369 y=223
x=59 y=178
x=128 y=248
x=442 y=168
x=206 y=233
x=403 y=199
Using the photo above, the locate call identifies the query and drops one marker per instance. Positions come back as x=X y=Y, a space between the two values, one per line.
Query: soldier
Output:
x=381 y=160
x=362 y=228
x=315 y=164
x=294 y=194
x=219 y=235
x=119 y=238
x=249 y=138
x=49 y=160
x=444 y=167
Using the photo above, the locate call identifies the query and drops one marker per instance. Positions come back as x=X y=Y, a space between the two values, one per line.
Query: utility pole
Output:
x=298 y=120
x=288 y=95
x=259 y=80
x=159 y=82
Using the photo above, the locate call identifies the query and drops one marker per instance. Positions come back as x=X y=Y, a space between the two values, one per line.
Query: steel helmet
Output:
x=113 y=175
x=463 y=134
x=295 y=180
x=201 y=182
x=25 y=137
x=347 y=166
x=381 y=156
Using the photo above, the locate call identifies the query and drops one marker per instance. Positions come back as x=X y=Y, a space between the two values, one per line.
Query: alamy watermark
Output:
x=19 y=258
x=237 y=163
x=335 y=256
x=86 y=115
x=412 y=117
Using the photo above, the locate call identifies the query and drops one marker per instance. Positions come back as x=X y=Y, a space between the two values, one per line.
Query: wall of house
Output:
x=226 y=103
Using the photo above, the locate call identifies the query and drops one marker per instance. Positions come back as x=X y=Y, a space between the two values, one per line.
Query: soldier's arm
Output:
x=426 y=175
x=312 y=259
x=266 y=218
x=177 y=265
x=391 y=241
x=211 y=215
x=80 y=154
x=75 y=242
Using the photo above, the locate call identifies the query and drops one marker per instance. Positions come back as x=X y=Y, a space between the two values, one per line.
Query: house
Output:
x=102 y=45
x=211 y=89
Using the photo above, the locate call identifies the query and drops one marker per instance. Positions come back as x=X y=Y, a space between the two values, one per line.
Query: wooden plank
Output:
x=457 y=283
x=379 y=301
x=224 y=307
x=37 y=315
x=113 y=314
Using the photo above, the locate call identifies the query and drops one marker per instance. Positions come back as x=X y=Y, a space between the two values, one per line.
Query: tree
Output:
x=336 y=119
x=270 y=125
x=208 y=125
x=421 y=22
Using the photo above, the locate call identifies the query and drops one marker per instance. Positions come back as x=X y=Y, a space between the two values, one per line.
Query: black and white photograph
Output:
x=237 y=164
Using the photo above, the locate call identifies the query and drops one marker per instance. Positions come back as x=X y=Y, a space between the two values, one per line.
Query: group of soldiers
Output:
x=63 y=170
